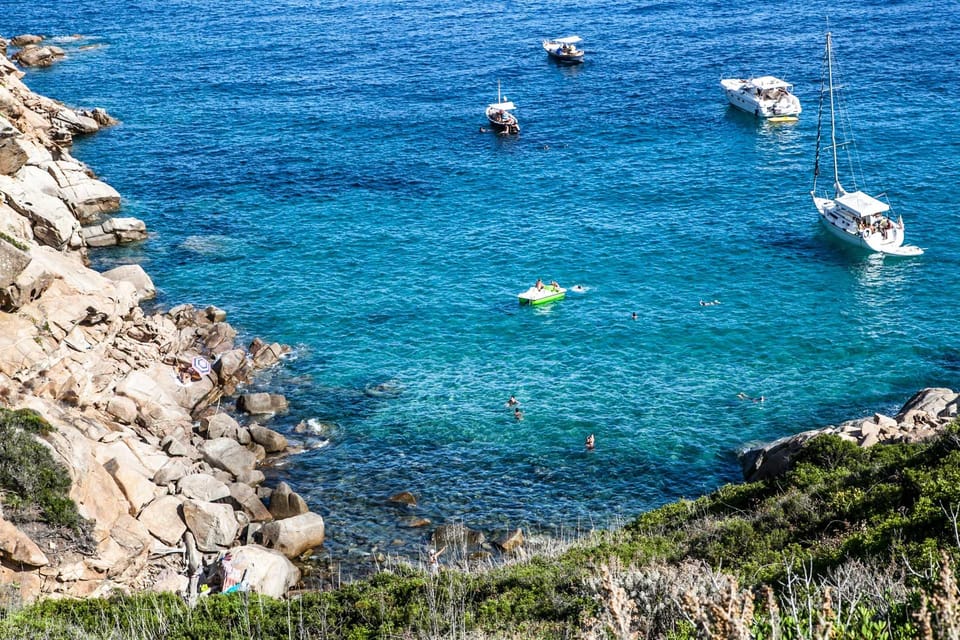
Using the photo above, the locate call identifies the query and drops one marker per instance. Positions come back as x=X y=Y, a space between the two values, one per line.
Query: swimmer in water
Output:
x=589 y=443
x=512 y=402
x=517 y=414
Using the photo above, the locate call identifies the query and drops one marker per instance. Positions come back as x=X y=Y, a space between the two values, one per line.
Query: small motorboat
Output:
x=541 y=293
x=499 y=116
x=764 y=97
x=565 y=49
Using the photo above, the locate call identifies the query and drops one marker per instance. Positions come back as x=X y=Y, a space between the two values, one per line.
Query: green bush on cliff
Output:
x=16 y=243
x=32 y=484
x=837 y=502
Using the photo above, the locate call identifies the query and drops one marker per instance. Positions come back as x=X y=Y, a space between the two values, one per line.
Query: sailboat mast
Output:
x=833 y=124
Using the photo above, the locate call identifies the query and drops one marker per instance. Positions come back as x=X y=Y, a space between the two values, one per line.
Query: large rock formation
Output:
x=163 y=492
x=924 y=415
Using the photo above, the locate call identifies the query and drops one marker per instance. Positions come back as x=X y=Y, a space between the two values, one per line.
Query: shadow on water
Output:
x=567 y=69
x=743 y=120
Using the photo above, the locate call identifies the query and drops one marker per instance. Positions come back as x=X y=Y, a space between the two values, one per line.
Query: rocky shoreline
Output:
x=923 y=416
x=167 y=481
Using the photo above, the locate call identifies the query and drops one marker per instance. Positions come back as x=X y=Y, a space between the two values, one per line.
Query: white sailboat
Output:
x=855 y=217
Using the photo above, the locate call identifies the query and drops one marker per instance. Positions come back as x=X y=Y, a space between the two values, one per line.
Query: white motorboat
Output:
x=765 y=97
x=565 y=49
x=855 y=217
x=499 y=116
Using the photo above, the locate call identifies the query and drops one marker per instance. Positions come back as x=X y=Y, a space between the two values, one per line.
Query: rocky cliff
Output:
x=164 y=480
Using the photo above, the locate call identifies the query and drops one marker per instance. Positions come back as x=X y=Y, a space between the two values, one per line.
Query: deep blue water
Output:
x=317 y=170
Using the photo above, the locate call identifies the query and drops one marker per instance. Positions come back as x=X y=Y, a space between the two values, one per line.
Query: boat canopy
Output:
x=505 y=106
x=568 y=40
x=862 y=204
x=770 y=82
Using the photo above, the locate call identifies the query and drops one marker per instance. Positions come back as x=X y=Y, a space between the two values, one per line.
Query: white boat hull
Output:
x=842 y=227
x=741 y=95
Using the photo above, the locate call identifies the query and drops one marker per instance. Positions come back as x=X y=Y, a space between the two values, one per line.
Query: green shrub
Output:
x=33 y=484
x=16 y=243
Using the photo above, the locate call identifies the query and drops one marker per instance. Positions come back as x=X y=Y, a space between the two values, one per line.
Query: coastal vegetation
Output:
x=13 y=241
x=849 y=543
x=33 y=486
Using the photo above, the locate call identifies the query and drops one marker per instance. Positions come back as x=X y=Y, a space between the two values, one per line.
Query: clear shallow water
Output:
x=317 y=171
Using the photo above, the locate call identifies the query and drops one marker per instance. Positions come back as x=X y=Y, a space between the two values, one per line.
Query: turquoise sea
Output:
x=317 y=170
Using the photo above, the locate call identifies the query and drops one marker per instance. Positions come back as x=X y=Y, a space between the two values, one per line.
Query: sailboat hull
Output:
x=889 y=243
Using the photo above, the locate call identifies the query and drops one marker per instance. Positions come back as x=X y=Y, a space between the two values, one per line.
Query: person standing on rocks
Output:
x=435 y=560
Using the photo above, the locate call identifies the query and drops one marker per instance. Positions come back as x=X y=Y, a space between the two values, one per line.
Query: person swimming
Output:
x=590 y=442
x=517 y=414
x=512 y=402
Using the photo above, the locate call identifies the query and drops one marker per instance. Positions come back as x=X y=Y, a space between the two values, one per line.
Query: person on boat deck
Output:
x=553 y=283
x=539 y=284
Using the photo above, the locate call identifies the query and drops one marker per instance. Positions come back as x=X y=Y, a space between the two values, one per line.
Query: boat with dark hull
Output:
x=500 y=117
x=565 y=49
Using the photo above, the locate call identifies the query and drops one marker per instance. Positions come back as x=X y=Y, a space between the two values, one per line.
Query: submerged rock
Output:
x=404 y=498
